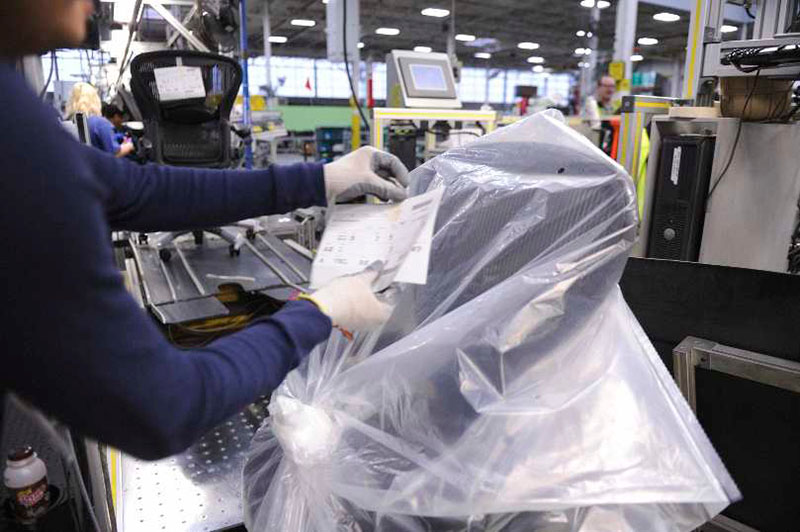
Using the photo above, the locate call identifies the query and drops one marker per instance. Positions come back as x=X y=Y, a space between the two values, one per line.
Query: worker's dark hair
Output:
x=109 y=110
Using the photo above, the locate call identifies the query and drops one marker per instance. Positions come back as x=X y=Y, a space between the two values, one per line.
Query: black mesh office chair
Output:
x=193 y=132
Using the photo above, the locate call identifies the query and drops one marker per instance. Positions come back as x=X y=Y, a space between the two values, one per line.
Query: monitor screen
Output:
x=428 y=77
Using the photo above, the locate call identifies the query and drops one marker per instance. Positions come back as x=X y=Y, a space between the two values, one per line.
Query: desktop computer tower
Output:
x=681 y=189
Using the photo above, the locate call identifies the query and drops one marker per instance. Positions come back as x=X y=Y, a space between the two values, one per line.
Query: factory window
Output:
x=302 y=77
x=497 y=79
x=473 y=85
x=332 y=80
x=379 y=81
x=291 y=76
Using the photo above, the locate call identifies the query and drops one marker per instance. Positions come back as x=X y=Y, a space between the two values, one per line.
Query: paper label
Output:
x=179 y=83
x=398 y=235
x=676 y=165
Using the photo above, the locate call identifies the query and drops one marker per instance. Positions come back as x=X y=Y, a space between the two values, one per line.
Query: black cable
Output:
x=449 y=132
x=49 y=76
x=749 y=14
x=736 y=140
x=347 y=66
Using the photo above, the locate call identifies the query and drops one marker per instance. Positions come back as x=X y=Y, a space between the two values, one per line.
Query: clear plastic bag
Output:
x=513 y=392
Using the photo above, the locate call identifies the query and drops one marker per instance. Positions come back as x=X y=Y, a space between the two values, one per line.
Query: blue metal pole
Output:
x=248 y=147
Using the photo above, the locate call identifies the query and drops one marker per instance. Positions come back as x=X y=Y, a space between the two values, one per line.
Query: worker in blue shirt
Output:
x=75 y=344
x=115 y=116
x=84 y=99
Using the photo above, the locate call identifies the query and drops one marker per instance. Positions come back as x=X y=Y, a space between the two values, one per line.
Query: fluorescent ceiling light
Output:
x=538 y=69
x=636 y=57
x=580 y=33
x=589 y=34
x=528 y=45
x=465 y=37
x=435 y=12
x=647 y=41
x=727 y=28
x=536 y=59
x=601 y=4
x=277 y=39
x=579 y=51
x=483 y=55
x=303 y=22
x=360 y=45
x=387 y=31
x=581 y=64
x=423 y=49
x=666 y=17
x=587 y=51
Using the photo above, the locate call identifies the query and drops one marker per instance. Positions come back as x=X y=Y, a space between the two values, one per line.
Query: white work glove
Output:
x=366 y=171
x=350 y=302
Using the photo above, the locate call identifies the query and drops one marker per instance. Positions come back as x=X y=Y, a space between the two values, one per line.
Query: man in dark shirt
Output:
x=75 y=344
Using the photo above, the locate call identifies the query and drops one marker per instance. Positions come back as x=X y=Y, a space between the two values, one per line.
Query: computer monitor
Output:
x=416 y=79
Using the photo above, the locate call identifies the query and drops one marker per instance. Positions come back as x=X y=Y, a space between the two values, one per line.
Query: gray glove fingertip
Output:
x=390 y=166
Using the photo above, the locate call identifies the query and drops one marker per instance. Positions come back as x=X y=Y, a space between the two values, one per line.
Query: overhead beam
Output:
x=161 y=9
x=186 y=19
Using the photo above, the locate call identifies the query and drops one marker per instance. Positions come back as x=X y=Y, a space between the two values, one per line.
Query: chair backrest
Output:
x=194 y=131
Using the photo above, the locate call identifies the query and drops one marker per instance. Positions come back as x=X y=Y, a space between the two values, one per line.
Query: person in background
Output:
x=75 y=342
x=600 y=103
x=114 y=114
x=84 y=99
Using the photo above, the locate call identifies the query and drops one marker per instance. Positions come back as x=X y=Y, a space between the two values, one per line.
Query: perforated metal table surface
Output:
x=198 y=490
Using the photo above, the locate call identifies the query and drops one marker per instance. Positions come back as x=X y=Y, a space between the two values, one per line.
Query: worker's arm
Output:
x=160 y=198
x=74 y=342
x=77 y=346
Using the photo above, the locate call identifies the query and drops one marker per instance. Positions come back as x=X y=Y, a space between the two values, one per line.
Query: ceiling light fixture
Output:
x=526 y=45
x=465 y=37
x=666 y=17
x=306 y=23
x=387 y=31
x=647 y=41
x=483 y=55
x=637 y=57
x=360 y=45
x=580 y=33
x=423 y=49
x=277 y=39
x=435 y=12
x=538 y=69
x=727 y=28
x=535 y=59
x=601 y=4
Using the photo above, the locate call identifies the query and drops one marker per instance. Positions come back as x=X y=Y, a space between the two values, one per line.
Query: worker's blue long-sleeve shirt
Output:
x=75 y=344
x=102 y=134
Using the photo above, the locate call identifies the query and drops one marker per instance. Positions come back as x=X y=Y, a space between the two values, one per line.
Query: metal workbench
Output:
x=199 y=489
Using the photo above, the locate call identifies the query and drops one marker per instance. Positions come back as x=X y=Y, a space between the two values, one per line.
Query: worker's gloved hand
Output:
x=366 y=171
x=350 y=302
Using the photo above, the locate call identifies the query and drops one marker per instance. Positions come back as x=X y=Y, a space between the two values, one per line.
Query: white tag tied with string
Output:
x=179 y=83
x=399 y=236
